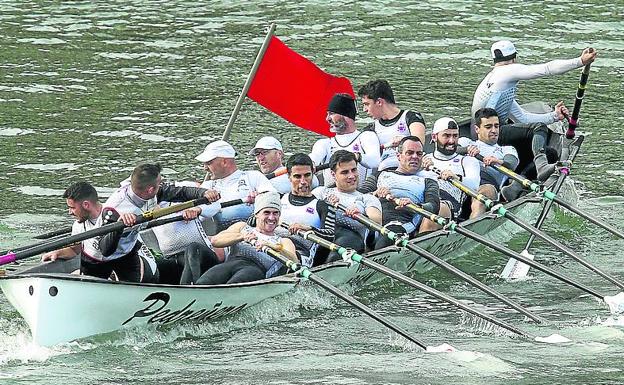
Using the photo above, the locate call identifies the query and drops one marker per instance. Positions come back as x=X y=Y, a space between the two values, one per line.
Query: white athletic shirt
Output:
x=90 y=247
x=386 y=134
x=498 y=89
x=365 y=143
x=495 y=150
x=246 y=250
x=466 y=167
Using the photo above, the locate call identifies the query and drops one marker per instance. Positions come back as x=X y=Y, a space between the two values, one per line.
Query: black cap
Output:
x=342 y=104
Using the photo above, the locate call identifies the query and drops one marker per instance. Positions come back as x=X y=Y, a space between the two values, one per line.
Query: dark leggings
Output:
x=384 y=241
x=520 y=135
x=127 y=268
x=197 y=260
x=235 y=270
x=346 y=238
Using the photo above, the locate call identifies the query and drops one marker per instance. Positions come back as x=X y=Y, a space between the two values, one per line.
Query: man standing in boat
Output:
x=341 y=114
x=349 y=232
x=228 y=183
x=487 y=126
x=498 y=90
x=410 y=184
x=119 y=251
x=245 y=261
x=391 y=123
x=445 y=158
x=269 y=156
x=303 y=211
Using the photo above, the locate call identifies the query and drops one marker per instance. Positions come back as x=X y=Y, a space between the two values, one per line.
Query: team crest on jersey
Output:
x=310 y=210
x=241 y=182
x=456 y=160
x=402 y=127
x=356 y=147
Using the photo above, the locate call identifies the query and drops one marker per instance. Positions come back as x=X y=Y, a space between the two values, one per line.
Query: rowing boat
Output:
x=60 y=307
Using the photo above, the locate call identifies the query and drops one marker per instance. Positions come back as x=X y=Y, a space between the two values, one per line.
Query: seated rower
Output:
x=341 y=114
x=245 y=262
x=445 y=157
x=487 y=127
x=119 y=251
x=410 y=184
x=228 y=183
x=349 y=232
x=303 y=211
x=269 y=156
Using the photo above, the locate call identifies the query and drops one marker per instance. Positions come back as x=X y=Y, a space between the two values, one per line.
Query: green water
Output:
x=88 y=90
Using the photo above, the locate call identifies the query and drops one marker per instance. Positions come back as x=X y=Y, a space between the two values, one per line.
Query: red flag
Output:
x=295 y=88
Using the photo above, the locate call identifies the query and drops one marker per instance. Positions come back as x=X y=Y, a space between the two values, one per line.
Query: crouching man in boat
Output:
x=349 y=232
x=341 y=114
x=269 y=155
x=303 y=211
x=82 y=203
x=410 y=184
x=119 y=251
x=487 y=126
x=245 y=261
x=451 y=164
x=228 y=183
x=498 y=90
x=391 y=123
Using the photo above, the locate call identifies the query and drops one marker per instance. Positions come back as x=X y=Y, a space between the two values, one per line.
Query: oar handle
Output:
x=573 y=122
x=510 y=173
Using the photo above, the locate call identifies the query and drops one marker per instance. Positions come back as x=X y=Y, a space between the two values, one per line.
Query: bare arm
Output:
x=374 y=213
x=418 y=129
x=229 y=236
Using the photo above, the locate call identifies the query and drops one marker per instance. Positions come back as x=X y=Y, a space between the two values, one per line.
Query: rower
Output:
x=341 y=114
x=349 y=232
x=245 y=262
x=269 y=156
x=303 y=211
x=487 y=127
x=82 y=204
x=119 y=251
x=410 y=184
x=445 y=157
x=498 y=90
x=227 y=183
x=391 y=123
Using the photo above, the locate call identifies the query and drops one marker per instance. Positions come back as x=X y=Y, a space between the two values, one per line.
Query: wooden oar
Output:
x=615 y=303
x=302 y=271
x=350 y=255
x=404 y=242
x=502 y=211
x=548 y=194
x=145 y=217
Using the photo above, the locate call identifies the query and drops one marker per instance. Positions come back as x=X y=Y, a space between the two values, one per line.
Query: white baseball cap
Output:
x=444 y=124
x=267 y=143
x=217 y=149
x=503 y=50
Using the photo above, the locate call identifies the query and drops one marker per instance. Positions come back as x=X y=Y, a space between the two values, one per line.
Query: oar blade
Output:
x=615 y=302
x=516 y=269
x=443 y=348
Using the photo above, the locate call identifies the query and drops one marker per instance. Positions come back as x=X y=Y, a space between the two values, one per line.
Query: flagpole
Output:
x=252 y=73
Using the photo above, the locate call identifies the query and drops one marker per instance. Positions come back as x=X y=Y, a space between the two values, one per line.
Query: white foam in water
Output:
x=553 y=339
x=444 y=348
x=615 y=302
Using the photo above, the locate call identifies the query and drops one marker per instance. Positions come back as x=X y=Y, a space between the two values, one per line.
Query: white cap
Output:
x=267 y=143
x=217 y=149
x=505 y=48
x=444 y=124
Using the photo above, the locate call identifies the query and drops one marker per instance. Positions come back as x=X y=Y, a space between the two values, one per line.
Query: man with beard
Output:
x=391 y=123
x=269 y=156
x=498 y=90
x=410 y=184
x=349 y=232
x=445 y=157
x=341 y=117
x=487 y=126
x=303 y=211
x=245 y=261
x=82 y=203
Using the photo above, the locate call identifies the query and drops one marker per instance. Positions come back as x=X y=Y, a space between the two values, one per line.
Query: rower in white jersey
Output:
x=487 y=126
x=303 y=211
x=228 y=183
x=349 y=232
x=498 y=91
x=119 y=250
x=341 y=114
x=409 y=183
x=445 y=157
x=269 y=156
x=391 y=123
